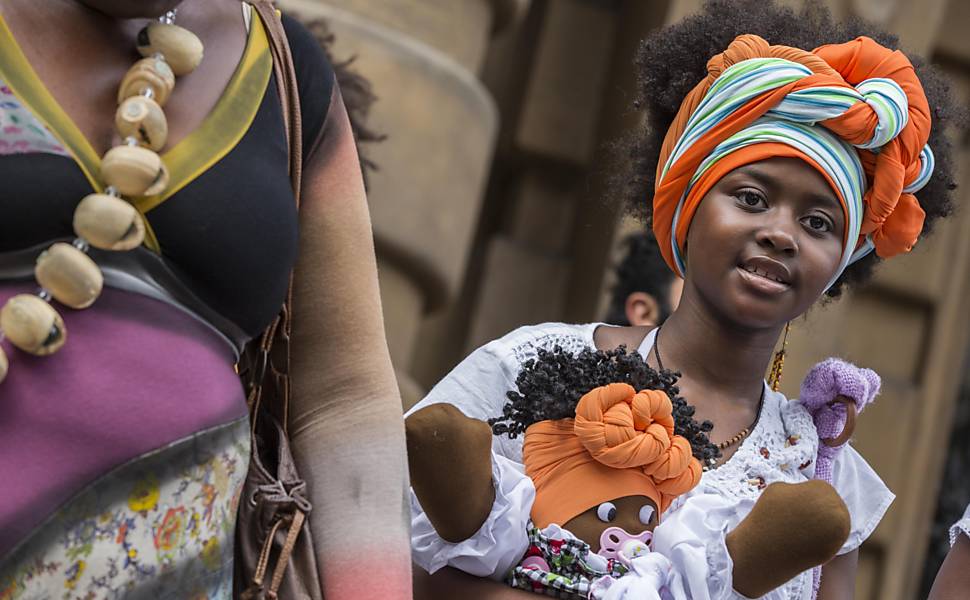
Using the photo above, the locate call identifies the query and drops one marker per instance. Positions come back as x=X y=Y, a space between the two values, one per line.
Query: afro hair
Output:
x=671 y=61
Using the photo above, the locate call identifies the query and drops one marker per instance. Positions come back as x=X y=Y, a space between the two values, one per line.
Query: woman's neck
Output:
x=713 y=353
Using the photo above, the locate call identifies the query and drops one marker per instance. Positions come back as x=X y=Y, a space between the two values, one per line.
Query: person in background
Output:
x=646 y=290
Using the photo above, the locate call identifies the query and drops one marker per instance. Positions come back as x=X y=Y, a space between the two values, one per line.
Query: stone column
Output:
x=545 y=259
x=420 y=57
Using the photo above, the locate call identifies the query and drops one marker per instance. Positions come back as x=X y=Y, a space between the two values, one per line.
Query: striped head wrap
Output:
x=856 y=112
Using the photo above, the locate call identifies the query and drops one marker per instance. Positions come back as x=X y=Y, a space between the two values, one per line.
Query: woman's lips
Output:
x=762 y=282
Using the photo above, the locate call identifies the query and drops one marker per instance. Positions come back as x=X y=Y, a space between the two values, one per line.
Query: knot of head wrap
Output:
x=621 y=443
x=624 y=429
x=855 y=111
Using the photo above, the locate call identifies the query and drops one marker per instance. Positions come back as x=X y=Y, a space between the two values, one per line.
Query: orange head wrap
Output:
x=621 y=443
x=864 y=96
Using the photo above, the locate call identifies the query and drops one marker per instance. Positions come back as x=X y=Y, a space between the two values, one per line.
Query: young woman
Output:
x=780 y=151
x=123 y=451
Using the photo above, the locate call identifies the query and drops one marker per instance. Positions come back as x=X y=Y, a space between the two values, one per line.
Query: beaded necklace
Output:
x=739 y=436
x=64 y=272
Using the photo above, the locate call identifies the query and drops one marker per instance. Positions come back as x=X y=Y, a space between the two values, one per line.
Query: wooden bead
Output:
x=181 y=48
x=108 y=223
x=148 y=73
x=32 y=325
x=4 y=365
x=72 y=278
x=134 y=171
x=142 y=118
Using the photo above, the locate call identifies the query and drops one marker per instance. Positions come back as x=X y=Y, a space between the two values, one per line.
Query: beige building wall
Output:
x=488 y=212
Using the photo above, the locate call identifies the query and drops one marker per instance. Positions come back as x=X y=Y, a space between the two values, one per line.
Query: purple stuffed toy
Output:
x=827 y=392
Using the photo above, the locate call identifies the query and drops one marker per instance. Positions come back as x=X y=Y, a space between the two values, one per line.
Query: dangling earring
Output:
x=778 y=363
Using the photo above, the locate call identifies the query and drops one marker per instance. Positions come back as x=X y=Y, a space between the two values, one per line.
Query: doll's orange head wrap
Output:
x=621 y=443
x=854 y=111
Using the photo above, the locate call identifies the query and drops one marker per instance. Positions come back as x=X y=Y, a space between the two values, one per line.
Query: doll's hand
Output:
x=450 y=463
x=792 y=527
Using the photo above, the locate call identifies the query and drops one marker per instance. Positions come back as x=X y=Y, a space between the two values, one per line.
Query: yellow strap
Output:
x=212 y=140
x=225 y=125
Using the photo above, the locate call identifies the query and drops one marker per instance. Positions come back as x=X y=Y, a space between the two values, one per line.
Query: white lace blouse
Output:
x=782 y=447
x=961 y=527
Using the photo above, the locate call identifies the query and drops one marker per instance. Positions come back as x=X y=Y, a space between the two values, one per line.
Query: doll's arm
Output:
x=450 y=463
x=792 y=528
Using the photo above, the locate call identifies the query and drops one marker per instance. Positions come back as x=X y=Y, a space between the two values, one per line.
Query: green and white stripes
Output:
x=793 y=121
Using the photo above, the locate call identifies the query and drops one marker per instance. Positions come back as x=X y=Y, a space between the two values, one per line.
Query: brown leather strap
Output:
x=286 y=83
x=263 y=561
x=295 y=526
x=288 y=91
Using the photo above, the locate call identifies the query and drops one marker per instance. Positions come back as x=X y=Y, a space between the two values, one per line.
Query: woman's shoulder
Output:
x=524 y=343
x=315 y=77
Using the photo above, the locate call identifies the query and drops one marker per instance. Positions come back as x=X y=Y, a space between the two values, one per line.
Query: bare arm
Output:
x=838 y=577
x=953 y=580
x=345 y=418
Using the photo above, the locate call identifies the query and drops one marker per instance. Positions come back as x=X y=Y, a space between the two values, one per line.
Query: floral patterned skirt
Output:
x=160 y=526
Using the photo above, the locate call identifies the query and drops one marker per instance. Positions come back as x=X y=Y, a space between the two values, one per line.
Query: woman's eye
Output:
x=606 y=512
x=646 y=514
x=817 y=223
x=750 y=199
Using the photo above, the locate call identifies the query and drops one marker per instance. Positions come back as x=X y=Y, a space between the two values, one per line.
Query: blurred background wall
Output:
x=489 y=214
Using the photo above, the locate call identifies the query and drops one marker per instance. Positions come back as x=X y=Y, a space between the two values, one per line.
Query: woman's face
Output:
x=765 y=241
x=131 y=9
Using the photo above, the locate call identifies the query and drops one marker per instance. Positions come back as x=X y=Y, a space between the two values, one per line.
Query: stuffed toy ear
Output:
x=450 y=463
x=792 y=528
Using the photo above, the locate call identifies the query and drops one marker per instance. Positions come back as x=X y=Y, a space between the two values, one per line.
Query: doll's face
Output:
x=764 y=243
x=633 y=514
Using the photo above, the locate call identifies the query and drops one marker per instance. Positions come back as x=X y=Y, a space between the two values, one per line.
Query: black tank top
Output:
x=229 y=230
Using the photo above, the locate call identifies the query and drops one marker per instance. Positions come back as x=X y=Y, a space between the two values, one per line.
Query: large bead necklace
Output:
x=64 y=272
x=739 y=436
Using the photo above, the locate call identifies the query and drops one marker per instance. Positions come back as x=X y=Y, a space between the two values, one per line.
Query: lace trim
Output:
x=961 y=526
x=782 y=447
x=570 y=338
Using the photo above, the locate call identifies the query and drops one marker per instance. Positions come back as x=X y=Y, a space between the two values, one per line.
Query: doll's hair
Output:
x=550 y=386
x=672 y=60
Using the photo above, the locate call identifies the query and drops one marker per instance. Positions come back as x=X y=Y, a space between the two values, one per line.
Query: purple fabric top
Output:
x=135 y=374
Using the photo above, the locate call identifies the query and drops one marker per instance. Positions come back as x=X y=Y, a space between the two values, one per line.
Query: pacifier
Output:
x=616 y=542
x=536 y=563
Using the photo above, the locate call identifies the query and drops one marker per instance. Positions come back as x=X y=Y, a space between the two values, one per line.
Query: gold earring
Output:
x=778 y=363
